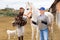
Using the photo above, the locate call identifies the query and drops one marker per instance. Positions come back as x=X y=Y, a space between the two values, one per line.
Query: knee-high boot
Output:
x=19 y=38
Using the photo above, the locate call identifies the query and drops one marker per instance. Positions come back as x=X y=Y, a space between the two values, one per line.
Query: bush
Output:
x=1 y=14
x=10 y=14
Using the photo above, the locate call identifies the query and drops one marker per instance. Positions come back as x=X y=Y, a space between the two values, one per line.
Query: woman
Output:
x=20 y=22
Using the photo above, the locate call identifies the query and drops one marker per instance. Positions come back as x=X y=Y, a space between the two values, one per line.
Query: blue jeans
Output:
x=44 y=34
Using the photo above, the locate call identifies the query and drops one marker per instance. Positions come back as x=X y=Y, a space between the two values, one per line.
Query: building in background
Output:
x=55 y=9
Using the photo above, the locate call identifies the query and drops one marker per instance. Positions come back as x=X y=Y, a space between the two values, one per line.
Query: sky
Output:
x=16 y=4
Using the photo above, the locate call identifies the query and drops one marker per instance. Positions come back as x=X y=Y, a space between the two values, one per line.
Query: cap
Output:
x=42 y=8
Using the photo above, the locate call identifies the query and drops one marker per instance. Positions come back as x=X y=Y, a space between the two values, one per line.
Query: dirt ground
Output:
x=6 y=23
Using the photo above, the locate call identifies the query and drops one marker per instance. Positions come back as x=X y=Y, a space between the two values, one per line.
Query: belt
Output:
x=34 y=22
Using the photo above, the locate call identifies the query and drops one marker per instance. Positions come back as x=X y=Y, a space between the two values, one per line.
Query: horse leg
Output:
x=37 y=32
x=32 y=33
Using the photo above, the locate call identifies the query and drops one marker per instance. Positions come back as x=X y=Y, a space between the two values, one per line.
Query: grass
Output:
x=6 y=23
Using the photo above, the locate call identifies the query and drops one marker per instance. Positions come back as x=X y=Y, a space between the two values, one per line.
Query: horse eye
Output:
x=27 y=8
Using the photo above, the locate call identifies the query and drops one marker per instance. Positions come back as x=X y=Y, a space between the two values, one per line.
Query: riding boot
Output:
x=19 y=38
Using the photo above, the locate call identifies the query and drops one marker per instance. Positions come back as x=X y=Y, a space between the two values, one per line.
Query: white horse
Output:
x=35 y=27
x=51 y=19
